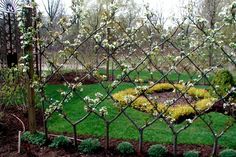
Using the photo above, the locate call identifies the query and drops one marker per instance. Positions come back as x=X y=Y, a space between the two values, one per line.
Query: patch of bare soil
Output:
x=10 y=124
x=162 y=97
x=83 y=77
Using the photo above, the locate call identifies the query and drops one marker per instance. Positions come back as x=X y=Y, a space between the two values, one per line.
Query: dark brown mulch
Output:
x=33 y=150
x=205 y=150
x=10 y=126
x=70 y=77
x=163 y=96
x=84 y=77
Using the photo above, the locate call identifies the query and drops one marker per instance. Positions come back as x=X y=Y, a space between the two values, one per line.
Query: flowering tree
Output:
x=134 y=48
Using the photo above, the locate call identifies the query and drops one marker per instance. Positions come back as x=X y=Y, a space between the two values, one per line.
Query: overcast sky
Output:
x=167 y=7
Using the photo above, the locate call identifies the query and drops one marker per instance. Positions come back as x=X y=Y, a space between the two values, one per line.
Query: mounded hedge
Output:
x=205 y=101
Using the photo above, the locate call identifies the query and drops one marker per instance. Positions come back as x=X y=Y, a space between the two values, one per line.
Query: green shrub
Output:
x=13 y=86
x=191 y=153
x=89 y=146
x=125 y=148
x=223 y=82
x=228 y=153
x=157 y=151
x=38 y=138
x=60 y=142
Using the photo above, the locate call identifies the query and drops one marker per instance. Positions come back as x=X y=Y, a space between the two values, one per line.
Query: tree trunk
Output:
x=140 y=145
x=214 y=150
x=107 y=128
x=175 y=144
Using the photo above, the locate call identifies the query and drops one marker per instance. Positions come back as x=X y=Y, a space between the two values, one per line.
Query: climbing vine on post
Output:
x=28 y=34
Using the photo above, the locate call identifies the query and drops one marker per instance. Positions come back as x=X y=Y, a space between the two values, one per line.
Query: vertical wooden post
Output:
x=4 y=39
x=11 y=55
x=112 y=70
x=31 y=93
x=36 y=43
x=108 y=55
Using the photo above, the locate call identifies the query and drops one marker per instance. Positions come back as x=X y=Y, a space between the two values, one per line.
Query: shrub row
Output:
x=90 y=146
x=39 y=138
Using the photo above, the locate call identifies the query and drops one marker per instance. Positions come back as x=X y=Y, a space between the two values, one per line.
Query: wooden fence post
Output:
x=108 y=55
x=30 y=89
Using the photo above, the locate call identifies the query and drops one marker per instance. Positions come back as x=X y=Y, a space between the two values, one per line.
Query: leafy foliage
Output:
x=12 y=90
x=125 y=148
x=223 y=82
x=89 y=146
x=60 y=142
x=191 y=153
x=157 y=151
x=38 y=138
x=228 y=153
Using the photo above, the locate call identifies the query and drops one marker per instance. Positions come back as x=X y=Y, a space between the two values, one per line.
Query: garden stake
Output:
x=108 y=54
x=19 y=142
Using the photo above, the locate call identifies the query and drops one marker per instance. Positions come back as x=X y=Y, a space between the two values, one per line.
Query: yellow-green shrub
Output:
x=160 y=87
x=180 y=87
x=142 y=104
x=173 y=112
x=120 y=96
x=204 y=104
x=180 y=111
x=198 y=93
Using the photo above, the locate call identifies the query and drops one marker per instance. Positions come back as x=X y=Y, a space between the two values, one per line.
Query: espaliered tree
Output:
x=131 y=49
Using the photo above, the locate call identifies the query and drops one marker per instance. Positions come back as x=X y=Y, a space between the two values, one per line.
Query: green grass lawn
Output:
x=146 y=76
x=122 y=128
x=156 y=76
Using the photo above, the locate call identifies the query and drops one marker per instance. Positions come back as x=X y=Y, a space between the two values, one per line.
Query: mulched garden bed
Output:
x=70 y=77
x=11 y=126
x=84 y=77
x=163 y=96
x=33 y=150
